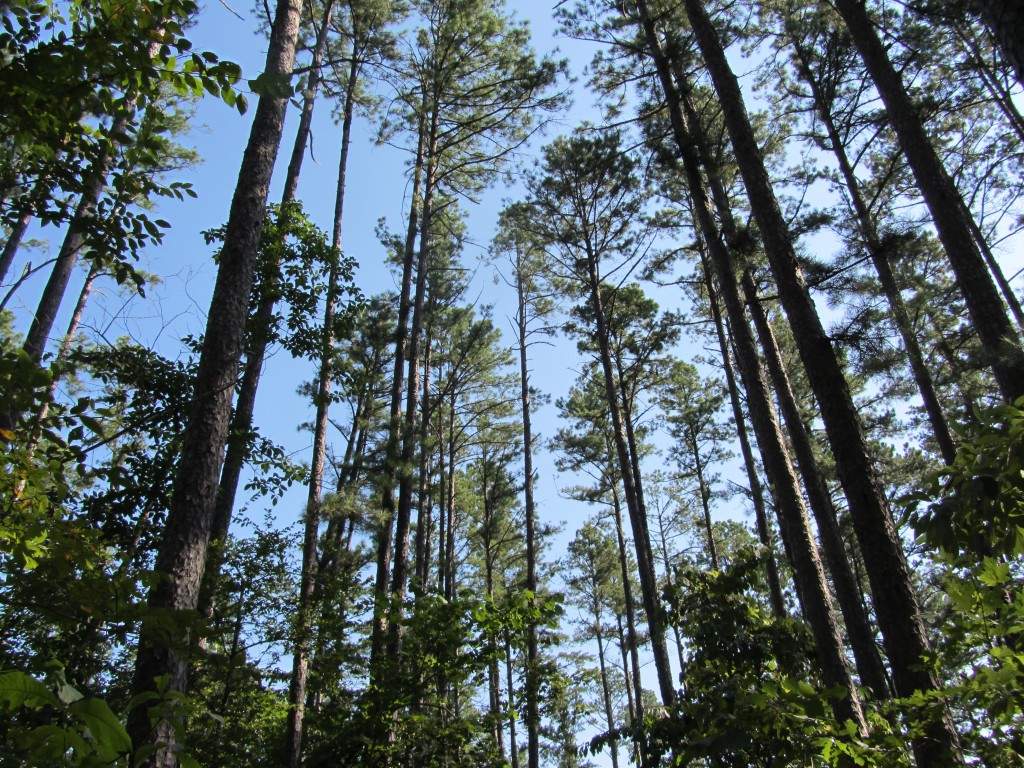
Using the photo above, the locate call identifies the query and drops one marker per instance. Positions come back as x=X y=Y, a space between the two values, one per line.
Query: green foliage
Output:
x=750 y=695
x=63 y=726
x=295 y=261
x=96 y=84
x=972 y=515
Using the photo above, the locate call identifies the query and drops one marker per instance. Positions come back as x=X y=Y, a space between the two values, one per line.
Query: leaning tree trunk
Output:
x=816 y=601
x=997 y=334
x=67 y=256
x=308 y=578
x=898 y=611
x=14 y=238
x=847 y=588
x=869 y=662
x=255 y=355
x=242 y=418
x=181 y=556
x=756 y=492
x=879 y=257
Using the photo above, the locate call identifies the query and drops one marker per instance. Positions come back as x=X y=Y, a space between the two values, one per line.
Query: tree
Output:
x=896 y=603
x=592 y=561
x=692 y=407
x=533 y=304
x=587 y=199
x=183 y=548
x=949 y=214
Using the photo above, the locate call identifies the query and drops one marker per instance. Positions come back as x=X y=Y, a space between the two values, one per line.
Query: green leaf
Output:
x=18 y=689
x=106 y=730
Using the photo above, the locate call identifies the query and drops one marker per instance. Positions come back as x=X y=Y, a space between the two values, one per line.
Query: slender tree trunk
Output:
x=513 y=747
x=393 y=447
x=403 y=520
x=67 y=256
x=670 y=583
x=65 y=346
x=308 y=578
x=817 y=603
x=291 y=179
x=606 y=692
x=896 y=603
x=449 y=537
x=14 y=238
x=705 y=498
x=997 y=89
x=630 y=606
x=641 y=535
x=419 y=578
x=181 y=556
x=532 y=686
x=950 y=216
x=879 y=257
x=756 y=491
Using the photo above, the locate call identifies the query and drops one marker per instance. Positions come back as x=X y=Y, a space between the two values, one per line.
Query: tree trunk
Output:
x=630 y=607
x=606 y=692
x=65 y=346
x=756 y=492
x=67 y=256
x=14 y=238
x=817 y=603
x=419 y=577
x=858 y=625
x=998 y=336
x=705 y=498
x=1005 y=20
x=532 y=683
x=641 y=536
x=181 y=557
x=879 y=257
x=391 y=456
x=403 y=520
x=896 y=603
x=245 y=405
x=308 y=578
x=513 y=748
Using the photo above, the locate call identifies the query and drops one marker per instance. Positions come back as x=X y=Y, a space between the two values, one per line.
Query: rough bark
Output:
x=181 y=556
